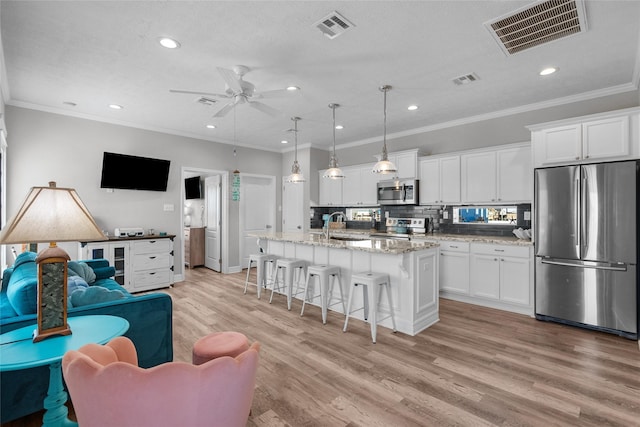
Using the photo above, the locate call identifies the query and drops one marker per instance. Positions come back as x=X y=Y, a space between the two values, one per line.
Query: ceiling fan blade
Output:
x=276 y=93
x=189 y=92
x=231 y=79
x=224 y=110
x=265 y=108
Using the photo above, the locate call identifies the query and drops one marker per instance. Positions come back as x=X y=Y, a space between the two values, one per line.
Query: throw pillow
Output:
x=83 y=270
x=94 y=295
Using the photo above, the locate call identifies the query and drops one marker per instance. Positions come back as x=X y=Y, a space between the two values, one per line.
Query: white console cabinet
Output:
x=141 y=263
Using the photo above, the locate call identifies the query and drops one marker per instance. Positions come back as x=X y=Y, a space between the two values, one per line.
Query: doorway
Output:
x=209 y=211
x=257 y=211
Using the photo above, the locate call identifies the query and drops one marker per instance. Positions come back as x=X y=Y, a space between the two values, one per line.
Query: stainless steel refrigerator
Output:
x=586 y=247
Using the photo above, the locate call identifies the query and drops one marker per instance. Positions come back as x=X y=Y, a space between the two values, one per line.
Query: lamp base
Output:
x=52 y=293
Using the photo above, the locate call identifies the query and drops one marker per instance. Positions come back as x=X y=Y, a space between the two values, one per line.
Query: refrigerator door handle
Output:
x=578 y=227
x=584 y=219
x=586 y=264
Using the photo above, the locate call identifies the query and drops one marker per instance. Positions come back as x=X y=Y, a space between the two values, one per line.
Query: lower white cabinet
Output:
x=501 y=273
x=141 y=264
x=454 y=267
x=492 y=275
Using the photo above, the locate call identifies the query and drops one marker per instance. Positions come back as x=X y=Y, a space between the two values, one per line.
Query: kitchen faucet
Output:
x=339 y=213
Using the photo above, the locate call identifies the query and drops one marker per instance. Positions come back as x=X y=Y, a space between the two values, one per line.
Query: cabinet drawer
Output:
x=454 y=246
x=151 y=261
x=150 y=246
x=152 y=278
x=506 y=250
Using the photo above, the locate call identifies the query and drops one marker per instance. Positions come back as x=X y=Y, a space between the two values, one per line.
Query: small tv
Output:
x=123 y=171
x=192 y=188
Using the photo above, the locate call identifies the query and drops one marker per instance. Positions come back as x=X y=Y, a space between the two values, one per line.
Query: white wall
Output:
x=45 y=147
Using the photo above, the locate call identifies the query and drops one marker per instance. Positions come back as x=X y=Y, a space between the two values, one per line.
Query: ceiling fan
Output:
x=239 y=91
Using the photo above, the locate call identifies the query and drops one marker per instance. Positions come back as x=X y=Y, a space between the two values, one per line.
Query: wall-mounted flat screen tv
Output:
x=127 y=172
x=192 y=188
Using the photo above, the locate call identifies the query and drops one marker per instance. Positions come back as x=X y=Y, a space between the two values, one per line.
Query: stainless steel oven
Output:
x=402 y=191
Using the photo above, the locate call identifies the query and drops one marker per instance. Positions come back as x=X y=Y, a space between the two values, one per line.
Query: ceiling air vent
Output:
x=541 y=23
x=206 y=101
x=333 y=25
x=466 y=79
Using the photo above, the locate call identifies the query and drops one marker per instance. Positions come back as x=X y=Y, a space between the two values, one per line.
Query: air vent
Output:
x=206 y=101
x=466 y=79
x=535 y=25
x=334 y=25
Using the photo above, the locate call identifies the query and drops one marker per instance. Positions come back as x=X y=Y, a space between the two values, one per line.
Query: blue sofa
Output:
x=150 y=325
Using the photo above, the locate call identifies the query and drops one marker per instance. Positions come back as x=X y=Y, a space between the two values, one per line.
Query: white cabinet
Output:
x=152 y=264
x=406 y=163
x=454 y=267
x=515 y=174
x=117 y=253
x=610 y=136
x=501 y=273
x=330 y=191
x=497 y=176
x=141 y=264
x=439 y=180
x=359 y=186
x=479 y=176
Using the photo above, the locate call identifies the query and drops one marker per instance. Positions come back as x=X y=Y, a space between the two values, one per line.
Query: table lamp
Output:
x=51 y=214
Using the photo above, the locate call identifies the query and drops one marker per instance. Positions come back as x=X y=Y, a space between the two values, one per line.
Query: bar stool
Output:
x=370 y=280
x=291 y=269
x=263 y=273
x=327 y=275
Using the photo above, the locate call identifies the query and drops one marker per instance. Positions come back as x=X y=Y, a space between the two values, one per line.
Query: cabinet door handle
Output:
x=495 y=259
x=452 y=246
x=499 y=250
x=152 y=257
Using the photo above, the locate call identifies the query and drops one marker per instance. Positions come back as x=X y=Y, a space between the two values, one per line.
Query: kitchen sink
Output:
x=348 y=239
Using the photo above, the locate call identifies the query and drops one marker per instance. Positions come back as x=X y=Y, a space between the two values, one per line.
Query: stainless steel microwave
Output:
x=401 y=191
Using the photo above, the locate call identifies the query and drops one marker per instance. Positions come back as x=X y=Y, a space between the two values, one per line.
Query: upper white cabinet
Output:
x=359 y=186
x=330 y=191
x=439 y=180
x=608 y=136
x=497 y=176
x=479 y=177
x=406 y=162
x=515 y=174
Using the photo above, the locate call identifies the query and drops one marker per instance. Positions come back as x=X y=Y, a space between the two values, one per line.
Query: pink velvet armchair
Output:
x=107 y=388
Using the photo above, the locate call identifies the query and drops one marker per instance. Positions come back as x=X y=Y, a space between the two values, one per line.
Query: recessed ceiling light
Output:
x=169 y=43
x=284 y=141
x=548 y=71
x=339 y=127
x=292 y=88
x=116 y=106
x=412 y=107
x=211 y=126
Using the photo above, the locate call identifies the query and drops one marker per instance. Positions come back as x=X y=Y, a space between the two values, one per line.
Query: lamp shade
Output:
x=385 y=166
x=51 y=214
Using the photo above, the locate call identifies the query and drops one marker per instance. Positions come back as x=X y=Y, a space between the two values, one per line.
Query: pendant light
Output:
x=334 y=172
x=296 y=176
x=384 y=165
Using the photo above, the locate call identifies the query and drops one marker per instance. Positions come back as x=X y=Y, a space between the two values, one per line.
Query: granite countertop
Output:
x=366 y=244
x=435 y=237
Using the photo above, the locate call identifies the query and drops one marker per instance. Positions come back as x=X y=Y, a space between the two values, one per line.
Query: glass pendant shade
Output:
x=334 y=172
x=296 y=174
x=384 y=165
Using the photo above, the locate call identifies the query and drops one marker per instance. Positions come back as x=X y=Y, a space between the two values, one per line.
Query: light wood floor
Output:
x=475 y=367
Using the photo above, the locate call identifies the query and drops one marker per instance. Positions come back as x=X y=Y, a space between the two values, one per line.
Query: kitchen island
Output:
x=411 y=265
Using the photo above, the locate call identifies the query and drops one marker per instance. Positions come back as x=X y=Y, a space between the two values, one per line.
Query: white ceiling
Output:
x=94 y=53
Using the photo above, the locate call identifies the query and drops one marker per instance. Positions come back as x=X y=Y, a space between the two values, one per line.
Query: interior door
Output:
x=292 y=207
x=257 y=211
x=212 y=231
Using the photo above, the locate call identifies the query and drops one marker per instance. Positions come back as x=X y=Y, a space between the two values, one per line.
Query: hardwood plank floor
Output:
x=476 y=367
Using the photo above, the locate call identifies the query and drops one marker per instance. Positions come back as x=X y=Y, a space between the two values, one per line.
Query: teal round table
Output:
x=18 y=351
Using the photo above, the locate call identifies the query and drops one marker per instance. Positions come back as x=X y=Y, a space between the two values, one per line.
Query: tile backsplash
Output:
x=436 y=218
